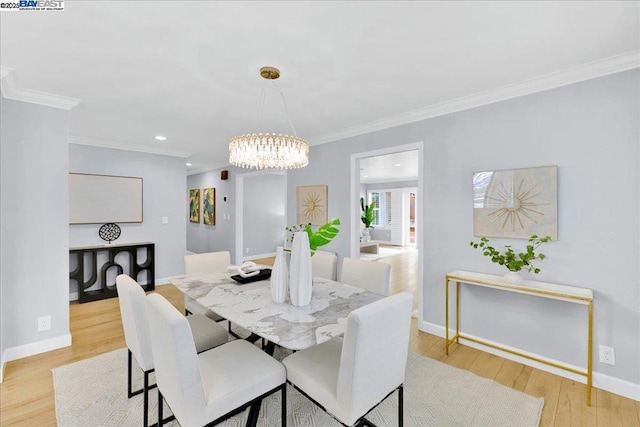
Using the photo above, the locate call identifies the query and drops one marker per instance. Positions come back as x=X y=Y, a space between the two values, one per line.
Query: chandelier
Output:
x=269 y=150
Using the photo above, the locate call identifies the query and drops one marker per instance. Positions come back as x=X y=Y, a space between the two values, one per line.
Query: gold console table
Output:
x=540 y=289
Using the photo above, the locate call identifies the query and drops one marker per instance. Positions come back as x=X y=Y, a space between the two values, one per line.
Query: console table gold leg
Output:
x=446 y=316
x=458 y=312
x=590 y=354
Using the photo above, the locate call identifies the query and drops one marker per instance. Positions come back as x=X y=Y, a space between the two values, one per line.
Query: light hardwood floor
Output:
x=26 y=395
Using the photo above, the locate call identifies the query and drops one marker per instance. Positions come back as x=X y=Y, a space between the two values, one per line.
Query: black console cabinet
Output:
x=87 y=259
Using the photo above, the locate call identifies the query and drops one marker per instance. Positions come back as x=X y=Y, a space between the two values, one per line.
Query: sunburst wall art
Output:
x=311 y=203
x=516 y=203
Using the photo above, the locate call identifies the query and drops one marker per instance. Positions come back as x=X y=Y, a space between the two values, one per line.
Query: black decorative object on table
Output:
x=92 y=259
x=109 y=232
x=263 y=275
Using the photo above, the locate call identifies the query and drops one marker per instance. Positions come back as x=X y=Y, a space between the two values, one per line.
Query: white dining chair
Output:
x=207 y=388
x=206 y=334
x=324 y=264
x=204 y=264
x=369 y=275
x=348 y=377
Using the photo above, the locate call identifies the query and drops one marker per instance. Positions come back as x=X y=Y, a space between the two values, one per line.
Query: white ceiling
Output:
x=189 y=70
x=402 y=166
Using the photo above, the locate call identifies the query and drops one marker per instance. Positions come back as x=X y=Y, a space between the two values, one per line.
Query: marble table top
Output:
x=296 y=328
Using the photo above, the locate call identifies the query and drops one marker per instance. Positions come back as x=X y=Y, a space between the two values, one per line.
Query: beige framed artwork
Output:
x=311 y=204
x=516 y=203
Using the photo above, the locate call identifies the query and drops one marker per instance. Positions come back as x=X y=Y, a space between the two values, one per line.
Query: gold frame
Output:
x=194 y=205
x=497 y=282
x=311 y=204
x=209 y=197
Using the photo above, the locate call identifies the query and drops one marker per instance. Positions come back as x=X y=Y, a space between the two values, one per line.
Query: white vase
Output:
x=514 y=277
x=279 y=277
x=300 y=278
x=366 y=236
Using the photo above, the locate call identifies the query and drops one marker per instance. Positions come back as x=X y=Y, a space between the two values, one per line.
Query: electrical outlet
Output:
x=607 y=355
x=246 y=251
x=44 y=323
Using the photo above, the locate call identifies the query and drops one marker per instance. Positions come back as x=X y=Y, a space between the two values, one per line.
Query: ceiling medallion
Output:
x=269 y=150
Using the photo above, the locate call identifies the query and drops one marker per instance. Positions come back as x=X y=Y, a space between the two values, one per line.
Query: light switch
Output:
x=165 y=220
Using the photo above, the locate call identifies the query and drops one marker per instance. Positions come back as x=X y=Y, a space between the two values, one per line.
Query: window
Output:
x=381 y=200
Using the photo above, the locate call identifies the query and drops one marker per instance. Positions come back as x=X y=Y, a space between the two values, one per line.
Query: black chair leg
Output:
x=159 y=409
x=254 y=412
x=284 y=405
x=400 y=405
x=129 y=357
x=145 y=416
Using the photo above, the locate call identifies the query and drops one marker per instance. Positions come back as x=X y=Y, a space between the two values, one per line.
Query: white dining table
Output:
x=296 y=328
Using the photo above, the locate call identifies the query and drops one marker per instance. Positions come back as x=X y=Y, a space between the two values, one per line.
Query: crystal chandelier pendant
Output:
x=269 y=150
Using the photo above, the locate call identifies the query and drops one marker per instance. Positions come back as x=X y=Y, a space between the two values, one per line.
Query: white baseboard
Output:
x=601 y=381
x=252 y=257
x=33 y=348
x=2 y=367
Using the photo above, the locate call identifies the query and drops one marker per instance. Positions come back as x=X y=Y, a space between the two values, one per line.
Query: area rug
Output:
x=383 y=252
x=92 y=392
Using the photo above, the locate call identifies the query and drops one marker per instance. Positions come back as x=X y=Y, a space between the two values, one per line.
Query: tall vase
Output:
x=279 y=277
x=300 y=279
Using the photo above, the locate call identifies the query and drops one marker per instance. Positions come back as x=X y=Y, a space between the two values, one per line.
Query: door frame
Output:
x=355 y=206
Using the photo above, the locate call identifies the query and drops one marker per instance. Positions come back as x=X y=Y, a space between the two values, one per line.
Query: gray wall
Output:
x=590 y=130
x=263 y=193
x=34 y=222
x=220 y=237
x=263 y=213
x=164 y=181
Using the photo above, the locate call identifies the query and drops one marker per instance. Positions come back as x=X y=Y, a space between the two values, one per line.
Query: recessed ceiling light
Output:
x=188 y=164
x=397 y=164
x=161 y=138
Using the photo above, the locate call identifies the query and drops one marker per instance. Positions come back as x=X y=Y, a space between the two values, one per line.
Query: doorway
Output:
x=398 y=223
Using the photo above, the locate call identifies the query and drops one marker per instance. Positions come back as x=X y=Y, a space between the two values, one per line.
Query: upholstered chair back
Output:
x=324 y=264
x=369 y=275
x=177 y=369
x=374 y=354
x=206 y=263
x=131 y=297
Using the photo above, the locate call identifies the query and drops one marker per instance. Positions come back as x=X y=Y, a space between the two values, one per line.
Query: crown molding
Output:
x=11 y=90
x=591 y=70
x=116 y=145
x=208 y=168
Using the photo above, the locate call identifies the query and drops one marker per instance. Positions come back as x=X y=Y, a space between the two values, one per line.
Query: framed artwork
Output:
x=311 y=204
x=516 y=203
x=209 y=206
x=194 y=205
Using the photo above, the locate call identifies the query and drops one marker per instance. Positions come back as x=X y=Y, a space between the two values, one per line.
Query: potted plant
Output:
x=367 y=219
x=320 y=237
x=515 y=262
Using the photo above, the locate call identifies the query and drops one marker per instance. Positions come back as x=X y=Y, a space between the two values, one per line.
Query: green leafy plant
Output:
x=367 y=213
x=512 y=260
x=320 y=237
